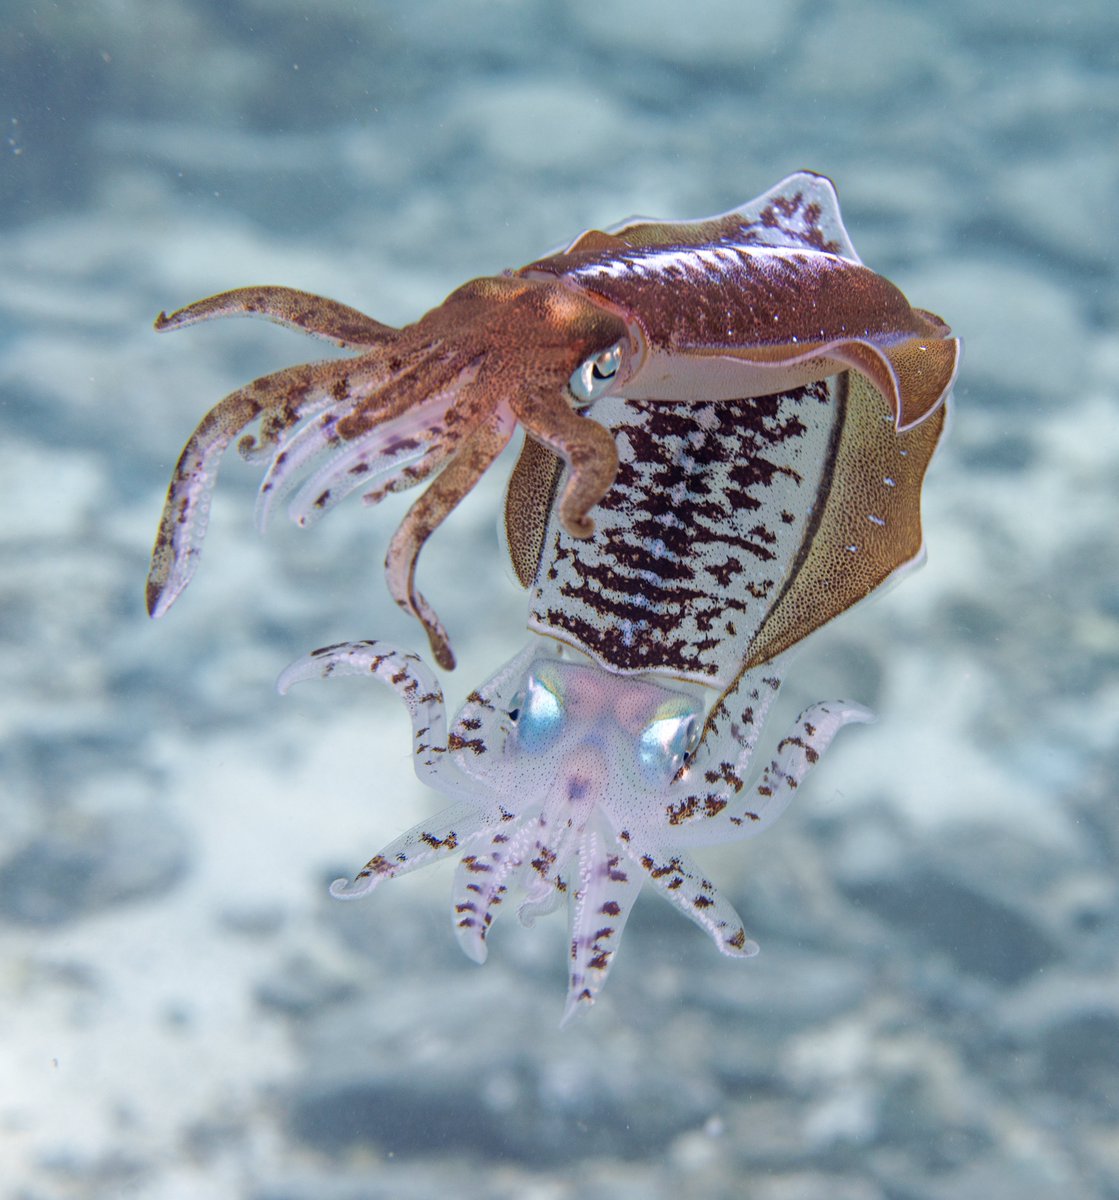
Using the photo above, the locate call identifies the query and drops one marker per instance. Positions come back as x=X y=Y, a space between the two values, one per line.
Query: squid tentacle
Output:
x=409 y=441
x=473 y=819
x=280 y=400
x=483 y=881
x=585 y=446
x=478 y=449
x=355 y=385
x=801 y=748
x=448 y=832
x=402 y=396
x=681 y=881
x=413 y=681
x=385 y=457
x=303 y=311
x=599 y=902
x=294 y=454
x=752 y=694
x=465 y=407
x=731 y=809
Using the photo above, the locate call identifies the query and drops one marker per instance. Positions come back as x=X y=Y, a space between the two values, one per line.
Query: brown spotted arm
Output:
x=477 y=451
x=585 y=446
x=302 y=311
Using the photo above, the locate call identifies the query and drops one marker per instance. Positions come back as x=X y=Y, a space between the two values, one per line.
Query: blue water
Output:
x=185 y=1012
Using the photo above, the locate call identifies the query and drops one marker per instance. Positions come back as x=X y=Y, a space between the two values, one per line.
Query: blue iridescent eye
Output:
x=666 y=742
x=537 y=713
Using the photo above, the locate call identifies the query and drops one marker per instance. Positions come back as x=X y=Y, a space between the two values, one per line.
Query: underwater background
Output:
x=184 y=1012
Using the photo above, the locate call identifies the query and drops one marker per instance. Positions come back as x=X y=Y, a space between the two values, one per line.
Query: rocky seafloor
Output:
x=184 y=1012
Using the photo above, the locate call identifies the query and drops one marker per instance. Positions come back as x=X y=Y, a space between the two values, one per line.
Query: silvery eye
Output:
x=666 y=744
x=537 y=713
x=591 y=378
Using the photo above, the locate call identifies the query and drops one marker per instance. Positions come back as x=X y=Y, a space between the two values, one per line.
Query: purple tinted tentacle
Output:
x=484 y=879
x=448 y=832
x=421 y=423
x=411 y=679
x=600 y=897
x=683 y=884
x=714 y=798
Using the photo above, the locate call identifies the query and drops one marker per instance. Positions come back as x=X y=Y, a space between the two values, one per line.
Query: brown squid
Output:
x=767 y=297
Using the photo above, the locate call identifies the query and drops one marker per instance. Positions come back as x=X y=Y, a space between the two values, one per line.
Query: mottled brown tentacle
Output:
x=281 y=400
x=585 y=446
x=290 y=395
x=424 y=371
x=476 y=453
x=304 y=311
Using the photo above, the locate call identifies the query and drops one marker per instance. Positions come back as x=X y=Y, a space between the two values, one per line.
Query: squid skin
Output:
x=767 y=297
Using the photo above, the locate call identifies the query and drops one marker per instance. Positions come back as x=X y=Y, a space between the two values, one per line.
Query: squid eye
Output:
x=537 y=713
x=592 y=377
x=665 y=745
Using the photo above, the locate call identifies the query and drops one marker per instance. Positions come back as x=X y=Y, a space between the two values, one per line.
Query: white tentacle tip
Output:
x=859 y=714
x=738 y=946
x=352 y=889
x=297 y=672
x=577 y=1002
x=473 y=944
